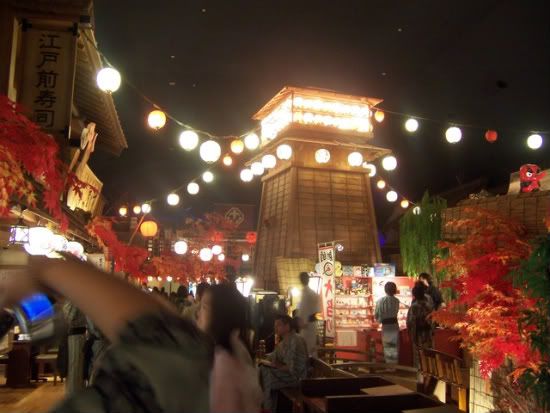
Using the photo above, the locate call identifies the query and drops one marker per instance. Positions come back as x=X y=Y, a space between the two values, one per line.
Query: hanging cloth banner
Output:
x=326 y=259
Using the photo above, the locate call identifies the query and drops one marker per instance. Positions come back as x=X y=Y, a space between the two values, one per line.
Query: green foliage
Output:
x=419 y=235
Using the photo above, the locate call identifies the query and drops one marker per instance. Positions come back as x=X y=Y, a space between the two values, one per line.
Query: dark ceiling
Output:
x=214 y=63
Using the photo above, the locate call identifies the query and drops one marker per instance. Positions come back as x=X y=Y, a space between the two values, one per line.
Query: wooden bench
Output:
x=331 y=386
x=437 y=366
x=403 y=375
x=378 y=404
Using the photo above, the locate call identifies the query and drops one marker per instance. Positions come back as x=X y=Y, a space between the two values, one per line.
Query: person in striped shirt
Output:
x=386 y=313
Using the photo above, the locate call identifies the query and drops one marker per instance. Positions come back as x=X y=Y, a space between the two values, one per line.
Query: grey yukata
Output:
x=386 y=313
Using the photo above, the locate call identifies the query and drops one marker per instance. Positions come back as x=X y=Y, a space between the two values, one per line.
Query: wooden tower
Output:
x=305 y=202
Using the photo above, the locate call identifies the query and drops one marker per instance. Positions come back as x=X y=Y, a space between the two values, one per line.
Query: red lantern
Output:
x=251 y=237
x=148 y=228
x=491 y=135
x=217 y=236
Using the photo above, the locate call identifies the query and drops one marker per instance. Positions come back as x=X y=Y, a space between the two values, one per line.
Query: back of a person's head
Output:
x=304 y=278
x=390 y=288
x=419 y=291
x=201 y=288
x=182 y=292
x=425 y=276
x=228 y=313
x=284 y=318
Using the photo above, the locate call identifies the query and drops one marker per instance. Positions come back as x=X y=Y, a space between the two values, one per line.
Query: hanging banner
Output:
x=49 y=62
x=326 y=260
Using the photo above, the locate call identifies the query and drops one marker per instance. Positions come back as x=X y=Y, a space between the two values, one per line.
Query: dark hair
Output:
x=229 y=313
x=201 y=288
x=156 y=290
x=182 y=291
x=285 y=319
x=390 y=288
x=304 y=278
x=425 y=276
x=419 y=291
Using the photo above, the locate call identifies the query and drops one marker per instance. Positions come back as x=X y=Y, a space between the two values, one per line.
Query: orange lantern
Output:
x=148 y=228
x=491 y=136
x=251 y=237
x=379 y=116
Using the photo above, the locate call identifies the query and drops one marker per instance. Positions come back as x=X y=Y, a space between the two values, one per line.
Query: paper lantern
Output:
x=322 y=155
x=173 y=199
x=245 y=257
x=411 y=125
x=534 y=141
x=257 y=168
x=208 y=177
x=59 y=242
x=251 y=237
x=251 y=141
x=169 y=278
x=193 y=188
x=529 y=177
x=146 y=208
x=205 y=254
x=108 y=80
x=40 y=241
x=416 y=210
x=210 y=151
x=379 y=116
x=188 y=140
x=156 y=119
x=148 y=228
x=237 y=146
x=180 y=247
x=389 y=163
x=371 y=168
x=453 y=134
x=269 y=161
x=284 y=152
x=381 y=184
x=404 y=204
x=247 y=175
x=491 y=136
x=227 y=160
x=221 y=257
x=217 y=249
x=136 y=209
x=75 y=248
x=123 y=211
x=355 y=159
x=392 y=196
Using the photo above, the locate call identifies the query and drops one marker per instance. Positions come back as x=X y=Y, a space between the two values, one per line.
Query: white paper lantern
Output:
x=208 y=177
x=405 y=204
x=371 y=168
x=205 y=254
x=247 y=175
x=156 y=119
x=123 y=211
x=75 y=248
x=245 y=257
x=389 y=163
x=217 y=249
x=257 y=168
x=322 y=155
x=108 y=79
x=355 y=159
x=59 y=242
x=40 y=241
x=146 y=208
x=411 y=125
x=173 y=199
x=392 y=196
x=136 y=209
x=381 y=184
x=251 y=141
x=188 y=140
x=221 y=257
x=416 y=210
x=169 y=278
x=180 y=247
x=269 y=161
x=284 y=151
x=193 y=188
x=534 y=141
x=210 y=151
x=453 y=134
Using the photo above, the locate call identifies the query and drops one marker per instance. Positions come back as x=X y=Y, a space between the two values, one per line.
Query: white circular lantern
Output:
x=180 y=247
x=173 y=199
x=453 y=134
x=322 y=156
x=221 y=257
x=355 y=159
x=108 y=80
x=188 y=140
x=156 y=119
x=269 y=161
x=247 y=175
x=205 y=254
x=123 y=211
x=371 y=168
x=216 y=249
x=411 y=125
x=40 y=241
x=193 y=188
x=75 y=248
x=245 y=257
x=59 y=242
x=257 y=168
x=284 y=152
x=405 y=204
x=389 y=163
x=210 y=151
x=146 y=208
x=149 y=278
x=208 y=177
x=416 y=210
x=169 y=278
x=381 y=184
x=534 y=141
x=159 y=278
x=227 y=160
x=392 y=196
x=251 y=141
x=136 y=209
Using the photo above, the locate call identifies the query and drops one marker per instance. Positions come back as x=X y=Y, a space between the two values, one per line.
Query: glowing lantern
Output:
x=59 y=243
x=148 y=228
x=284 y=152
x=389 y=163
x=355 y=159
x=269 y=161
x=136 y=209
x=188 y=140
x=75 y=248
x=237 y=146
x=247 y=175
x=251 y=237
x=221 y=257
x=208 y=177
x=371 y=168
x=108 y=79
x=534 y=141
x=381 y=184
x=150 y=278
x=227 y=160
x=245 y=257
x=156 y=119
x=453 y=134
x=391 y=196
x=210 y=151
x=217 y=249
x=193 y=188
x=173 y=199
x=416 y=210
x=146 y=208
x=404 y=204
x=411 y=125
x=159 y=278
x=251 y=141
x=40 y=241
x=123 y=211
x=322 y=156
x=205 y=254
x=257 y=168
x=379 y=116
x=180 y=247
x=491 y=136
x=169 y=278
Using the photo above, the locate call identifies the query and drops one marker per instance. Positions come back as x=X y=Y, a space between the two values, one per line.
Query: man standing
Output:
x=287 y=365
x=431 y=290
x=308 y=308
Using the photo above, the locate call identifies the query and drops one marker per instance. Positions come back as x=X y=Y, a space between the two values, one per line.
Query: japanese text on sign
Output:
x=326 y=259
